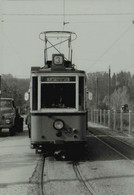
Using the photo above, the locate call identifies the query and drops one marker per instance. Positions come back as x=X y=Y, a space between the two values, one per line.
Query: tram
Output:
x=58 y=97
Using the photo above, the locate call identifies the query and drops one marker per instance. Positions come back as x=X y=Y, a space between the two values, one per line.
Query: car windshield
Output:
x=5 y=103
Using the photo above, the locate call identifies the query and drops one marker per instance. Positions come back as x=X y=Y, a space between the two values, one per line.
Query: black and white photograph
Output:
x=66 y=97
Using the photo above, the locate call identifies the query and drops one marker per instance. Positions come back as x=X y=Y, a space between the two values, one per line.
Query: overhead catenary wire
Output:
x=14 y=49
x=111 y=46
x=74 y=15
x=129 y=67
x=67 y=14
x=63 y=14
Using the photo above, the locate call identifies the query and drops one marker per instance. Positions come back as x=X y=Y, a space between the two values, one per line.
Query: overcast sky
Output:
x=104 y=28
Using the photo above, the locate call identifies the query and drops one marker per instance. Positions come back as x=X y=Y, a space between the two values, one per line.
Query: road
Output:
x=17 y=163
x=106 y=169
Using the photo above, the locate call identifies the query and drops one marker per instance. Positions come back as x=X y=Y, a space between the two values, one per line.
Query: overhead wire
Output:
x=81 y=14
x=11 y=45
x=78 y=14
x=64 y=23
x=131 y=66
x=63 y=14
x=111 y=46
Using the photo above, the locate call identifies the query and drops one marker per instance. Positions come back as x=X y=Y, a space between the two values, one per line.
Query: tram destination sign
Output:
x=57 y=79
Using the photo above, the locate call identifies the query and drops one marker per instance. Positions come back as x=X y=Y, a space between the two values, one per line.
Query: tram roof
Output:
x=37 y=69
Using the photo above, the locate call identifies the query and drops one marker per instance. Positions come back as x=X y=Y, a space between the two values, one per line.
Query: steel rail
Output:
x=118 y=152
x=127 y=144
x=42 y=189
x=118 y=139
x=82 y=178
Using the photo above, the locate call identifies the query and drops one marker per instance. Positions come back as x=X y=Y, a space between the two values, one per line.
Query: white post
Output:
x=94 y=116
x=108 y=118
x=104 y=116
x=121 y=120
x=130 y=118
x=97 y=115
x=114 y=119
x=100 y=116
x=91 y=115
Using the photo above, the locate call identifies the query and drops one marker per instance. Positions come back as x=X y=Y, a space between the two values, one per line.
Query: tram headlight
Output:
x=8 y=121
x=58 y=124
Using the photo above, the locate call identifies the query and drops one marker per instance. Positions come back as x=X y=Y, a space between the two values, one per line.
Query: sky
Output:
x=104 y=28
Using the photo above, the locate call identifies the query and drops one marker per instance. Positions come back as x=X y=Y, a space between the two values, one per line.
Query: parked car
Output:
x=9 y=116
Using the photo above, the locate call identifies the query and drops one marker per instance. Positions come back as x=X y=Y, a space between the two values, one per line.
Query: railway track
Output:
x=122 y=141
x=42 y=186
x=82 y=179
x=37 y=179
x=117 y=146
x=78 y=173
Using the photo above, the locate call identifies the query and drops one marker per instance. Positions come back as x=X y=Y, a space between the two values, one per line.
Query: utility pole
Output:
x=0 y=93
x=97 y=92
x=0 y=86
x=109 y=88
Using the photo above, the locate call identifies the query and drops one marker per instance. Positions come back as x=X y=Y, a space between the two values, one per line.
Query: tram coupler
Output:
x=39 y=149
x=60 y=154
x=33 y=146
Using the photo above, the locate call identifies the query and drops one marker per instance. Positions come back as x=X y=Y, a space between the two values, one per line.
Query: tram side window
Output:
x=58 y=95
x=81 y=93
x=35 y=93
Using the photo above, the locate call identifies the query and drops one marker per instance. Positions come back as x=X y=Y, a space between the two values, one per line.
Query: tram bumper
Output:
x=58 y=128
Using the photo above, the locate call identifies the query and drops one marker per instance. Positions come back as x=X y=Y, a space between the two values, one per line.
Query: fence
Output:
x=116 y=120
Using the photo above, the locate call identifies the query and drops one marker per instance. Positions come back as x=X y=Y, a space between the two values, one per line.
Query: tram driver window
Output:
x=57 y=95
x=81 y=93
x=35 y=93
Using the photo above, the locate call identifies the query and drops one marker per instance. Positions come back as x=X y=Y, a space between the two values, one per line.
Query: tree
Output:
x=14 y=88
x=120 y=97
x=121 y=91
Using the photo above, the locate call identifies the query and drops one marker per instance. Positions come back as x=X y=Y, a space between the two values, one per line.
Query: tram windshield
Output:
x=58 y=95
